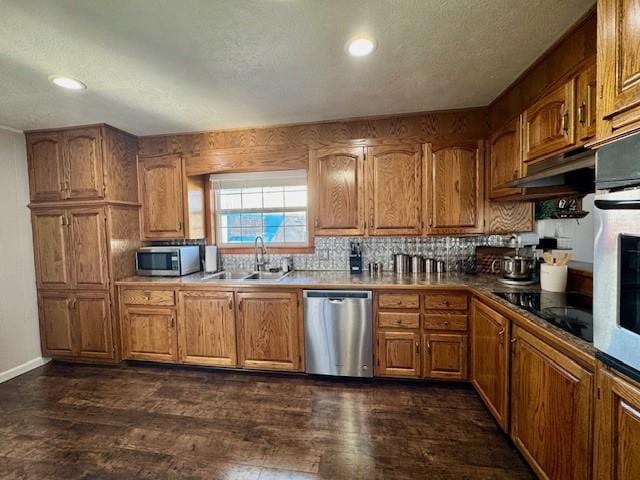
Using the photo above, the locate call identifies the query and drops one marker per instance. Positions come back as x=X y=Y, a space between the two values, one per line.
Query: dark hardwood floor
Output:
x=74 y=421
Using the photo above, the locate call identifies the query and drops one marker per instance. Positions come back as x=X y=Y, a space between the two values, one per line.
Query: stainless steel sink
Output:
x=226 y=276
x=275 y=276
x=244 y=276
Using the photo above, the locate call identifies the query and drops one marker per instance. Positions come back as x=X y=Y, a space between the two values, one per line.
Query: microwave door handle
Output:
x=618 y=204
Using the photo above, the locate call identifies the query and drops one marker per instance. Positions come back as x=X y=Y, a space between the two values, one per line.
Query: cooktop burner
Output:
x=572 y=312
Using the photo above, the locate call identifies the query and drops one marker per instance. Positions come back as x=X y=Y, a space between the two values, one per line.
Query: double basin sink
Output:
x=248 y=277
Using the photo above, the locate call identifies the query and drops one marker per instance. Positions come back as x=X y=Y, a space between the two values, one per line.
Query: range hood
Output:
x=571 y=173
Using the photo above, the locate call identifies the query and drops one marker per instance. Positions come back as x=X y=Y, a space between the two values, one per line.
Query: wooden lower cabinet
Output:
x=398 y=354
x=206 y=328
x=56 y=323
x=149 y=333
x=76 y=325
x=490 y=360
x=445 y=356
x=552 y=409
x=617 y=431
x=269 y=330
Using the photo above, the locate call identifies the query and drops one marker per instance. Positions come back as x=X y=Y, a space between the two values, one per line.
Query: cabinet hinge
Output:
x=601 y=92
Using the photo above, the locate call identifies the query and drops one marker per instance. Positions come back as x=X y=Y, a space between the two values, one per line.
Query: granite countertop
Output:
x=481 y=284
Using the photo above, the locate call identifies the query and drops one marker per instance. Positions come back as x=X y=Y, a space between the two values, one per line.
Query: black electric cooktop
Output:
x=572 y=312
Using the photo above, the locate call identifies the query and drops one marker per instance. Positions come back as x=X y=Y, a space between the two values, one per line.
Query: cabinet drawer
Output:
x=445 y=301
x=398 y=320
x=436 y=321
x=149 y=297
x=399 y=300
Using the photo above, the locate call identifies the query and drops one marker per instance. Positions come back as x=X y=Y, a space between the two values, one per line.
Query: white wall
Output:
x=19 y=334
x=581 y=231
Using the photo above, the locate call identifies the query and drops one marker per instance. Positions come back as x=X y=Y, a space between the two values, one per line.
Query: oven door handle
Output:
x=617 y=204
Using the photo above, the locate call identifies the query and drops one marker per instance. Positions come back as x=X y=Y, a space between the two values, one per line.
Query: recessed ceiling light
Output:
x=360 y=47
x=66 y=82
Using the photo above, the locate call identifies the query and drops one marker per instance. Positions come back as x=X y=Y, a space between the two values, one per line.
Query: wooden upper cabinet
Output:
x=46 y=167
x=586 y=104
x=206 y=328
x=56 y=323
x=51 y=249
x=617 y=428
x=149 y=333
x=83 y=160
x=505 y=159
x=445 y=356
x=162 y=195
x=394 y=190
x=618 y=67
x=490 y=360
x=88 y=247
x=549 y=124
x=338 y=175
x=93 y=327
x=398 y=354
x=454 y=189
x=269 y=331
x=552 y=409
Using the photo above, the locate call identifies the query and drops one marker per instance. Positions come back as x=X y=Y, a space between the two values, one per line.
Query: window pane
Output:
x=295 y=234
x=274 y=199
x=295 y=198
x=273 y=219
x=229 y=202
x=251 y=190
x=249 y=234
x=251 y=200
x=251 y=220
x=295 y=218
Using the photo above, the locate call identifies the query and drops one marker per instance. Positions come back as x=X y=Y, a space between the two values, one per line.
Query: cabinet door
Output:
x=505 y=159
x=161 y=185
x=617 y=429
x=269 y=331
x=56 y=324
x=46 y=167
x=394 y=190
x=339 y=178
x=88 y=247
x=206 y=328
x=93 y=328
x=454 y=189
x=445 y=356
x=586 y=104
x=150 y=334
x=618 y=66
x=83 y=160
x=552 y=409
x=490 y=360
x=51 y=251
x=398 y=354
x=549 y=124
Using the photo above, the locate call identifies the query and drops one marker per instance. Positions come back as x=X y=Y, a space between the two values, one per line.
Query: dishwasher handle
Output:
x=338 y=296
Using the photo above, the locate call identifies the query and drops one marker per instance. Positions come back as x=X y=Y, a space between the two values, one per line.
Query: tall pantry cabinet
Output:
x=84 y=214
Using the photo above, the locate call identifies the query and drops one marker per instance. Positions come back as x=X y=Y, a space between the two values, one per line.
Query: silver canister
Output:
x=401 y=263
x=429 y=265
x=440 y=266
x=417 y=264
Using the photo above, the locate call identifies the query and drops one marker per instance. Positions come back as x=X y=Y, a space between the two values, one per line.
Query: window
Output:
x=271 y=204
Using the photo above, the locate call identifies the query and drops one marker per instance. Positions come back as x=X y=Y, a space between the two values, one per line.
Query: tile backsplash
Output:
x=332 y=253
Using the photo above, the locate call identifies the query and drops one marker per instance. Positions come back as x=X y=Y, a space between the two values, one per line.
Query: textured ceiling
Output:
x=161 y=66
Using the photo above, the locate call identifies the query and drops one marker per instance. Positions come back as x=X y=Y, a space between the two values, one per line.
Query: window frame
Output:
x=229 y=248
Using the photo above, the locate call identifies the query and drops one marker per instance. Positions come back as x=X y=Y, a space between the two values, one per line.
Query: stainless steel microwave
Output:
x=167 y=261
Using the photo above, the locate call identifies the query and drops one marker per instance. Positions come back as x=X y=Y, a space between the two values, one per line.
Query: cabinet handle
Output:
x=230 y=304
x=582 y=109
x=514 y=339
x=179 y=225
x=240 y=306
x=564 y=122
x=418 y=347
x=173 y=321
x=501 y=336
x=428 y=345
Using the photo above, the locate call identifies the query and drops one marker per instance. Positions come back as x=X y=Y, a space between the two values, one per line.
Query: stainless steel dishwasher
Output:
x=338 y=333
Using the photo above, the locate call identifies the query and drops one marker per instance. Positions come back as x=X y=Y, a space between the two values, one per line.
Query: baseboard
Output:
x=24 y=368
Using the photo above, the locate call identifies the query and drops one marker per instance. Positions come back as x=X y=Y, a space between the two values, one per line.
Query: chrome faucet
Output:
x=261 y=262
